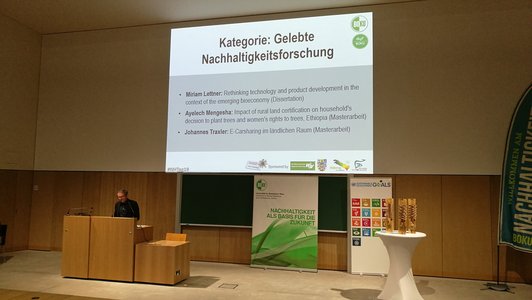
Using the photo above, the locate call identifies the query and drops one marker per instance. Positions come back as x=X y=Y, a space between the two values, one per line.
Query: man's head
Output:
x=122 y=195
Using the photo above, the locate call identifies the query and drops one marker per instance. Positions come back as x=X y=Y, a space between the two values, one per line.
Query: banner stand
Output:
x=499 y=287
x=366 y=253
x=285 y=223
x=514 y=217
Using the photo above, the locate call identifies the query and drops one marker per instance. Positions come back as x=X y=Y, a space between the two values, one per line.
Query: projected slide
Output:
x=284 y=96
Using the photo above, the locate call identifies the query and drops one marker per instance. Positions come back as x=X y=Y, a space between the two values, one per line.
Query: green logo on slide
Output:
x=359 y=23
x=360 y=41
x=302 y=166
x=261 y=185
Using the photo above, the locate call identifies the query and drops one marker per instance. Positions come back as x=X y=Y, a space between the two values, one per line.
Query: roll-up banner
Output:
x=515 y=219
x=285 y=222
x=366 y=209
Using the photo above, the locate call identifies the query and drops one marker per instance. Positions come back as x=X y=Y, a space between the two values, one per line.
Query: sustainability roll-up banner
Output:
x=285 y=222
x=515 y=219
x=366 y=253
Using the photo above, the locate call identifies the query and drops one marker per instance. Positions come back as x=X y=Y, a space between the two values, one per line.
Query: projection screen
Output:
x=282 y=96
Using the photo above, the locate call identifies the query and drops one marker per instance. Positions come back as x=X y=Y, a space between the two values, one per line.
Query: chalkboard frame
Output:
x=226 y=200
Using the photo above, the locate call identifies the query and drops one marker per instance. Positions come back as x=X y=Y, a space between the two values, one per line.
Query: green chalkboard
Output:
x=228 y=200
x=217 y=200
x=332 y=203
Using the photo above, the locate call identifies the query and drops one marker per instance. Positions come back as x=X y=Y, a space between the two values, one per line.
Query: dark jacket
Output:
x=127 y=209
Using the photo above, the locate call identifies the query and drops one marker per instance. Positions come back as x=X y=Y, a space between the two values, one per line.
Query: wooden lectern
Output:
x=75 y=259
x=164 y=262
x=101 y=247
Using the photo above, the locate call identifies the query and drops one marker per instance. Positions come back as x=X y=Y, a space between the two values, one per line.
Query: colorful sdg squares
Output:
x=355 y=212
x=372 y=211
x=357 y=231
x=366 y=231
x=374 y=231
x=366 y=212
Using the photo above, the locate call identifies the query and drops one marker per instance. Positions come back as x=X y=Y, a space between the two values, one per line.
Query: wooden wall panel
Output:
x=42 y=211
x=21 y=228
x=15 y=205
x=235 y=245
x=332 y=251
x=8 y=195
x=107 y=197
x=91 y=193
x=59 y=191
x=427 y=259
x=494 y=209
x=134 y=182
x=204 y=242
x=68 y=193
x=466 y=212
x=458 y=213
x=518 y=266
x=161 y=203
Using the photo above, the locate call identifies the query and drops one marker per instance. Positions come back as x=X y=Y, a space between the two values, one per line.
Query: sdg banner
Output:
x=515 y=219
x=367 y=212
x=285 y=222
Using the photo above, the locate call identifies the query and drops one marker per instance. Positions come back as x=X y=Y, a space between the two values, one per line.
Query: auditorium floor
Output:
x=38 y=272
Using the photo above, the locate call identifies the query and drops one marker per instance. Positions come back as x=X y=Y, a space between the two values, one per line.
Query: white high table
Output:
x=400 y=283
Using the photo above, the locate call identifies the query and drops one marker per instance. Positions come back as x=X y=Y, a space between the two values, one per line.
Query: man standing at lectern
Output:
x=126 y=207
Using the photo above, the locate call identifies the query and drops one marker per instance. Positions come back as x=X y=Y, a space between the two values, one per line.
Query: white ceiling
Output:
x=56 y=16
